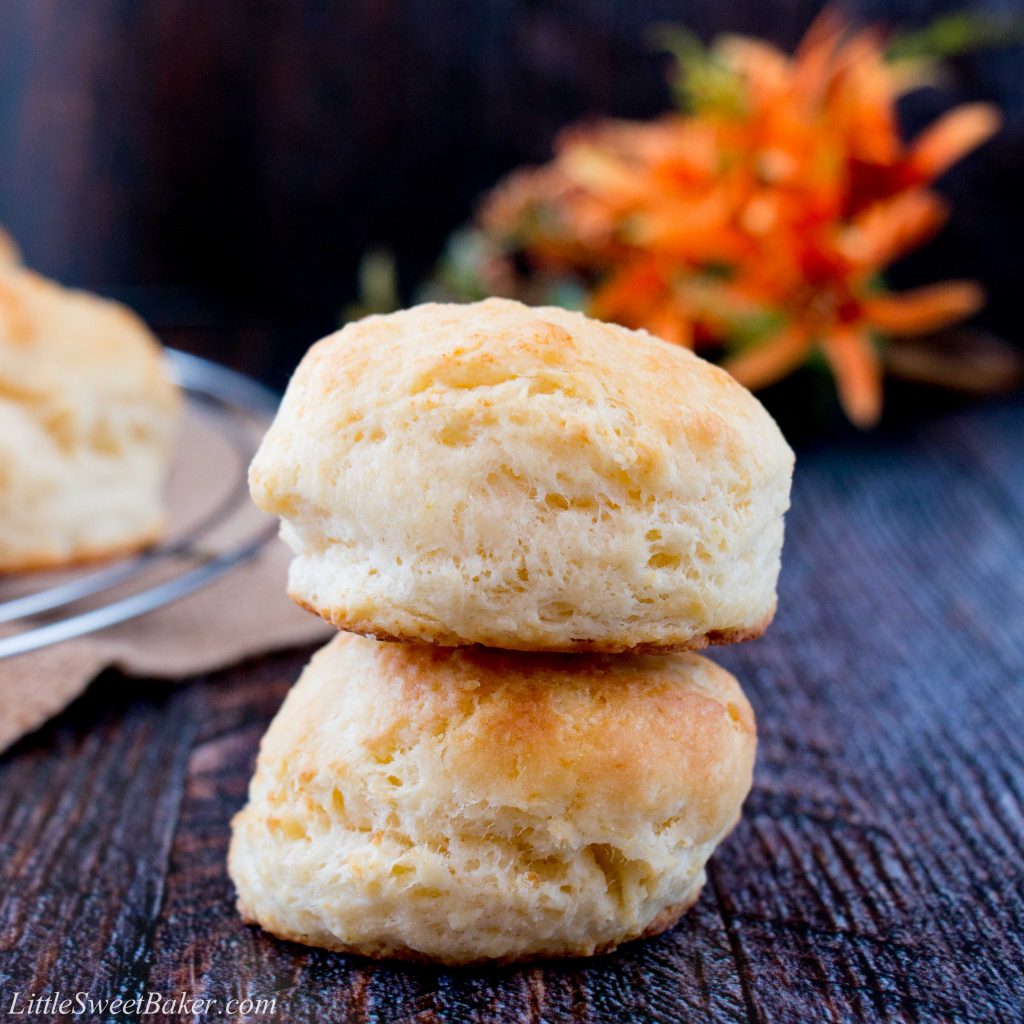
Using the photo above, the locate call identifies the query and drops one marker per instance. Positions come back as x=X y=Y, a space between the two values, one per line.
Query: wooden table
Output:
x=876 y=875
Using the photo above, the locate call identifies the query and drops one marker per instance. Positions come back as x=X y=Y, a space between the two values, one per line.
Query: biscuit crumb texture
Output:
x=87 y=416
x=525 y=478
x=463 y=805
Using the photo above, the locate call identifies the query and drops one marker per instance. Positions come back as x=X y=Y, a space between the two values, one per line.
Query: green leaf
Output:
x=459 y=274
x=960 y=32
x=378 y=286
x=702 y=82
x=754 y=328
x=569 y=293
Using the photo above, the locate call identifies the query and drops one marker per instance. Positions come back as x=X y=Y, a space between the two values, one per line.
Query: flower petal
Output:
x=887 y=230
x=923 y=309
x=627 y=292
x=950 y=138
x=816 y=52
x=858 y=374
x=771 y=360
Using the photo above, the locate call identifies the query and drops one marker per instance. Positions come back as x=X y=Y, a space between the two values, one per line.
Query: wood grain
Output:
x=878 y=873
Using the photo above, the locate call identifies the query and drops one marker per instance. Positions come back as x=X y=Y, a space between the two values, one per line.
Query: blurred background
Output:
x=223 y=165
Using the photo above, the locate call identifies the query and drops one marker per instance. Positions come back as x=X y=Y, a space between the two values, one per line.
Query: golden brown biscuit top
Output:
x=625 y=735
x=622 y=402
x=62 y=343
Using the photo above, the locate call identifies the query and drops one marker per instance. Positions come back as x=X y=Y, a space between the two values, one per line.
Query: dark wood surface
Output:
x=876 y=875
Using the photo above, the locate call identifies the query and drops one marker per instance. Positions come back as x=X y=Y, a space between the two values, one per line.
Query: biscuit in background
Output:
x=87 y=416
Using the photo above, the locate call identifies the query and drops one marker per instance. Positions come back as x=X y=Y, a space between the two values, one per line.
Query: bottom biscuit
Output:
x=471 y=805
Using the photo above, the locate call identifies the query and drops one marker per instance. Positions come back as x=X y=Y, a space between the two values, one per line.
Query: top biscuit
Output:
x=525 y=478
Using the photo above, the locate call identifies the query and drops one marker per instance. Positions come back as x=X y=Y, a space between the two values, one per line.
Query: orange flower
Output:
x=780 y=197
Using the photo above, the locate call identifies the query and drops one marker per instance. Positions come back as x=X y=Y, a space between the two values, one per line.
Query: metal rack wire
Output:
x=94 y=599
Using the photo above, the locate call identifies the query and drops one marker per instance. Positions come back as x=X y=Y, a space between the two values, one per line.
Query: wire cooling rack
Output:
x=37 y=610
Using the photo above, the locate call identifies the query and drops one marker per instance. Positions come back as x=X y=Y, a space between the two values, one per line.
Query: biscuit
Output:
x=87 y=416
x=465 y=804
x=525 y=478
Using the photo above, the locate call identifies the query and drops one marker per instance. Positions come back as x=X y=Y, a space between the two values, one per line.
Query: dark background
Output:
x=222 y=164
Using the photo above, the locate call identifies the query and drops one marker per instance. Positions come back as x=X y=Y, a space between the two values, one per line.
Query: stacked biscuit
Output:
x=542 y=510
